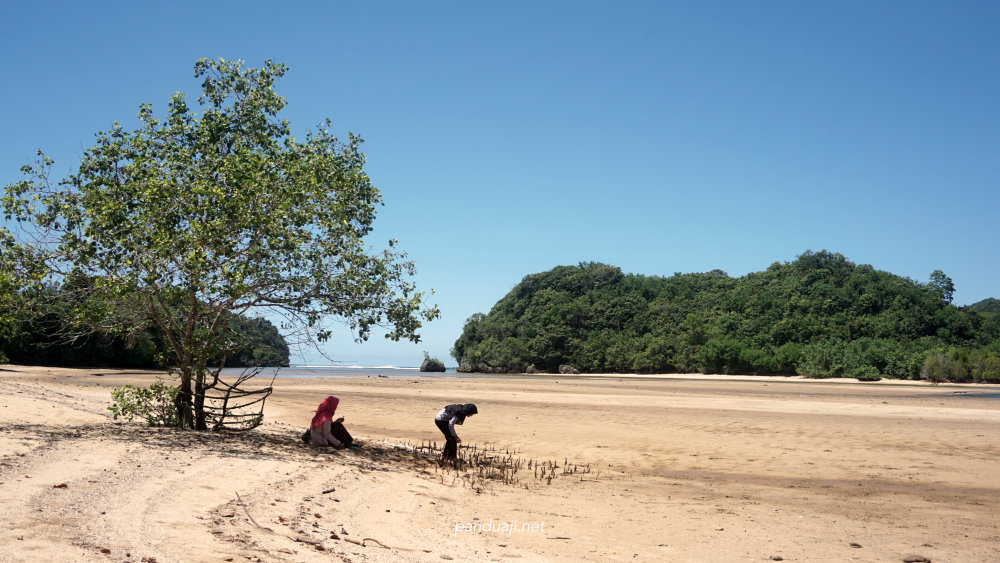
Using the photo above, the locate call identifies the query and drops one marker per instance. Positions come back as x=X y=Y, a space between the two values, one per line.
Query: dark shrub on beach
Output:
x=867 y=373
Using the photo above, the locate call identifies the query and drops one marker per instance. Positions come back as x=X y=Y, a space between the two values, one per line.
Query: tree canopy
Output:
x=820 y=315
x=192 y=219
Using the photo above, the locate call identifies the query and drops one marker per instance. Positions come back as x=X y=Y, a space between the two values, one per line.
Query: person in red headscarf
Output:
x=324 y=430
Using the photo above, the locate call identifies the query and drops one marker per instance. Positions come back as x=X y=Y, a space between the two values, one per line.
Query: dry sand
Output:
x=680 y=469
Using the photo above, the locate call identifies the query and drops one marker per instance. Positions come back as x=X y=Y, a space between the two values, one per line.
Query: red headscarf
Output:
x=325 y=411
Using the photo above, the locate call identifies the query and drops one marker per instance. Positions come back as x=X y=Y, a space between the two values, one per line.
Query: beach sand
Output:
x=668 y=469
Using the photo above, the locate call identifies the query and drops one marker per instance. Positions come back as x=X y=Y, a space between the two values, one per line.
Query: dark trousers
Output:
x=341 y=433
x=450 y=445
x=338 y=431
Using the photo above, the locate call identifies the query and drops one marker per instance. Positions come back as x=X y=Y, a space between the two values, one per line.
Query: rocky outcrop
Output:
x=433 y=365
x=466 y=366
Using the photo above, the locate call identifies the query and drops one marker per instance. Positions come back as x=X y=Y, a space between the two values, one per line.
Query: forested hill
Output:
x=39 y=342
x=820 y=315
x=990 y=305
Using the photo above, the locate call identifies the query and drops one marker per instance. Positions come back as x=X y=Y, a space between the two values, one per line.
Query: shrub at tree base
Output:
x=156 y=404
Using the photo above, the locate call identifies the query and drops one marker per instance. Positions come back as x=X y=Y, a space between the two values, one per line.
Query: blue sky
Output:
x=511 y=137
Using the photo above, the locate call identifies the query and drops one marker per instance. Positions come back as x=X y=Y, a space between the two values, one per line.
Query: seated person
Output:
x=324 y=430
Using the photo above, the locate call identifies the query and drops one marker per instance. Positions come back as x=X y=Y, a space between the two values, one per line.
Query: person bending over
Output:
x=446 y=421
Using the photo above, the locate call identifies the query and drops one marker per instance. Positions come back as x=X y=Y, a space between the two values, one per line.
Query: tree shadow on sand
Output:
x=474 y=467
x=252 y=445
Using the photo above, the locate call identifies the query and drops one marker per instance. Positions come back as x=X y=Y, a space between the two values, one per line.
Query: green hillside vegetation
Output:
x=989 y=305
x=819 y=316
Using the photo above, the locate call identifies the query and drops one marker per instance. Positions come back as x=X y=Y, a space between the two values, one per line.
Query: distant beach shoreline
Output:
x=346 y=372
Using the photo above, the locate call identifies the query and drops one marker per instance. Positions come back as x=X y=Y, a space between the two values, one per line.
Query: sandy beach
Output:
x=681 y=468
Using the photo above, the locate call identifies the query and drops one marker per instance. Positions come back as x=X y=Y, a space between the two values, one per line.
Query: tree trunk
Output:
x=183 y=401
x=199 y=401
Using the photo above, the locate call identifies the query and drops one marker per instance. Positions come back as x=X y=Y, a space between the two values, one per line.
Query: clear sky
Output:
x=511 y=137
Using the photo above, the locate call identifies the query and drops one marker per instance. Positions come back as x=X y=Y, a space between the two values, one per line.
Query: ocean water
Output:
x=345 y=371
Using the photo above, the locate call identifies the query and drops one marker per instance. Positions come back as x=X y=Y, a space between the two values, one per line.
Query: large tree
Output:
x=189 y=220
x=942 y=285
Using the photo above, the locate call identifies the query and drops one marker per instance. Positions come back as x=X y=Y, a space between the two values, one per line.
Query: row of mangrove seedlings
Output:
x=481 y=463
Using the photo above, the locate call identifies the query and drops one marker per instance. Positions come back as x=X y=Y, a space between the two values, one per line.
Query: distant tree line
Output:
x=43 y=337
x=819 y=316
